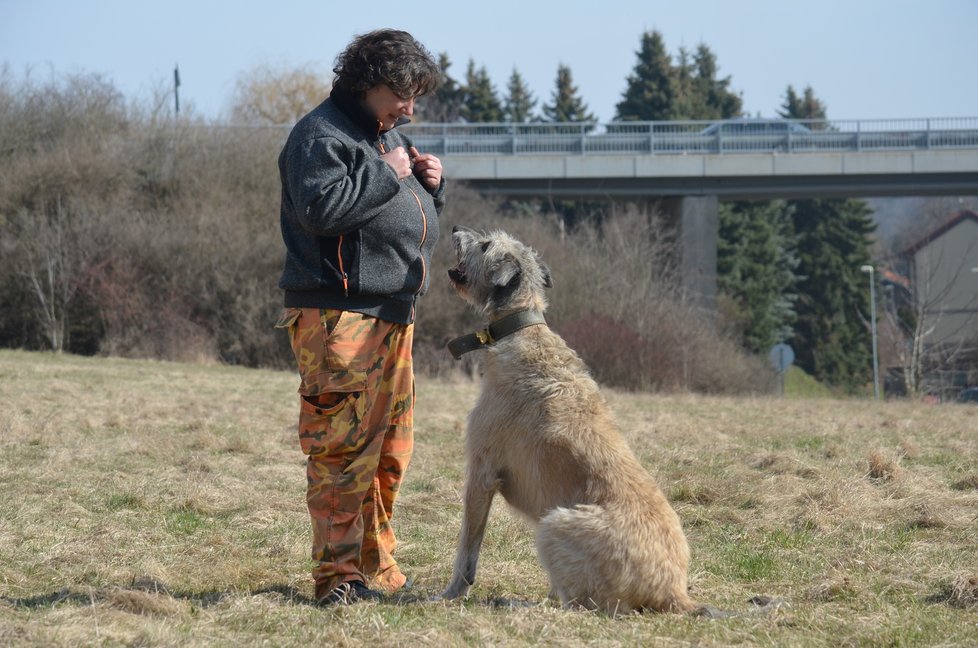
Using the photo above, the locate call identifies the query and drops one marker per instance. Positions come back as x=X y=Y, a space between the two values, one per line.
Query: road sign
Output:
x=781 y=357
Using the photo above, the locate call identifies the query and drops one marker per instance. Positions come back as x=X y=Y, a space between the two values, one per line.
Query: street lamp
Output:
x=872 y=310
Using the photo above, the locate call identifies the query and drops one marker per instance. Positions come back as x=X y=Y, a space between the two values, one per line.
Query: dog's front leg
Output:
x=475 y=512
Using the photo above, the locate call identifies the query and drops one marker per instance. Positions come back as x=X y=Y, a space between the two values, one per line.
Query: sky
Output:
x=865 y=59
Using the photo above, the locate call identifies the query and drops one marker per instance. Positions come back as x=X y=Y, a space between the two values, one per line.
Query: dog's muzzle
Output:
x=457 y=274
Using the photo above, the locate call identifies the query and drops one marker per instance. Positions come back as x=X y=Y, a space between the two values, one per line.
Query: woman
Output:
x=359 y=220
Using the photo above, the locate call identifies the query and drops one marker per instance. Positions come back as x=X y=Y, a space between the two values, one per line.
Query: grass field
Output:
x=148 y=503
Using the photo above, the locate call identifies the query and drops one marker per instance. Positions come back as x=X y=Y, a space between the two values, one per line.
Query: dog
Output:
x=542 y=436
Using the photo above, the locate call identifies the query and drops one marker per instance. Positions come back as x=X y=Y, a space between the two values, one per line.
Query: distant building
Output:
x=943 y=290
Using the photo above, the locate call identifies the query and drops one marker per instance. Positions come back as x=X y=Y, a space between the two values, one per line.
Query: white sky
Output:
x=866 y=59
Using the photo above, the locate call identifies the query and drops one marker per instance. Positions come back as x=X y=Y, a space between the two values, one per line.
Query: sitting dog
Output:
x=542 y=436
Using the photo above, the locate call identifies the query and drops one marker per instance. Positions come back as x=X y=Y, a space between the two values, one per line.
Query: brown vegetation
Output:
x=126 y=232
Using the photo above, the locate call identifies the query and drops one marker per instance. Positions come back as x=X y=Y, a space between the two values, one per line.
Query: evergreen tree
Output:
x=481 y=102
x=687 y=103
x=651 y=93
x=519 y=104
x=791 y=108
x=445 y=103
x=807 y=106
x=690 y=89
x=713 y=94
x=567 y=105
x=756 y=265
x=833 y=239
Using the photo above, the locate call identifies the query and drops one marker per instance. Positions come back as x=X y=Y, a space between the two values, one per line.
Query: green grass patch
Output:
x=798 y=384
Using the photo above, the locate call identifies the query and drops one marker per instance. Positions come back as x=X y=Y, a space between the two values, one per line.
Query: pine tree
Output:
x=812 y=107
x=792 y=107
x=756 y=266
x=687 y=103
x=651 y=93
x=481 y=102
x=567 y=105
x=833 y=239
x=445 y=104
x=806 y=107
x=714 y=95
x=519 y=104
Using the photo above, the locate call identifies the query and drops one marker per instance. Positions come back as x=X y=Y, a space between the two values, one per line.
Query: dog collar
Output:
x=494 y=332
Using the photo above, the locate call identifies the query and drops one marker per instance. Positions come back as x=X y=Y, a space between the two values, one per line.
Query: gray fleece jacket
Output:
x=356 y=237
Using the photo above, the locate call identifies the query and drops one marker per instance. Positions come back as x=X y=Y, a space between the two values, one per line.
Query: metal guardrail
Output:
x=746 y=135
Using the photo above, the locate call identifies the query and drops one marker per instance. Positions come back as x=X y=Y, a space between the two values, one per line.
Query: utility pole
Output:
x=872 y=309
x=176 y=89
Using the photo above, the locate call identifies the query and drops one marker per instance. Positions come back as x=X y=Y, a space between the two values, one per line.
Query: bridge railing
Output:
x=748 y=135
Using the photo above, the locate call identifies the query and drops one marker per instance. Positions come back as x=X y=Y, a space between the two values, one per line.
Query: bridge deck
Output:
x=753 y=159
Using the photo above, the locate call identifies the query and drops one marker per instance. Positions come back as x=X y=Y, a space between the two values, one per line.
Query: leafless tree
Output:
x=54 y=259
x=269 y=96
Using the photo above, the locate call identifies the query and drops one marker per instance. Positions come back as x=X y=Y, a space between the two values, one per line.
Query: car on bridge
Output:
x=748 y=134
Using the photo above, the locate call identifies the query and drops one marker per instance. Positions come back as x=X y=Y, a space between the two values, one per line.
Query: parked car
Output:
x=969 y=395
x=755 y=134
x=748 y=126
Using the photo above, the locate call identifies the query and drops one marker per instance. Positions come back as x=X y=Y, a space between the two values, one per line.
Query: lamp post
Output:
x=872 y=310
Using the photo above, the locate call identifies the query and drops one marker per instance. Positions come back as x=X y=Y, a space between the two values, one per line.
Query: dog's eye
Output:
x=485 y=245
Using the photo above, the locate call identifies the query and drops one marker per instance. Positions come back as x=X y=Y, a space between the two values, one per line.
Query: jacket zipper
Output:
x=424 y=230
x=339 y=258
x=424 y=237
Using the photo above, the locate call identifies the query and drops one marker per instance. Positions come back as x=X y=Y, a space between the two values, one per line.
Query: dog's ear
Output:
x=505 y=271
x=548 y=280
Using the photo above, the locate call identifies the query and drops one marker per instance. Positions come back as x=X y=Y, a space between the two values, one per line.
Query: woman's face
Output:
x=387 y=106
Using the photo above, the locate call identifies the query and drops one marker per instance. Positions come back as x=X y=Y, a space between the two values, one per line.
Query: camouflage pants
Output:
x=355 y=425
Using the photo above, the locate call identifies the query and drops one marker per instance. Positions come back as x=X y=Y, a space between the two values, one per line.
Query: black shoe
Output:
x=339 y=595
x=363 y=593
x=348 y=593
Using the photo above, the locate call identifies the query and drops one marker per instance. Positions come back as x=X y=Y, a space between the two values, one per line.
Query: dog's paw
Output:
x=451 y=593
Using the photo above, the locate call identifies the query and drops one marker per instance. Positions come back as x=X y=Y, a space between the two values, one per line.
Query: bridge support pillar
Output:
x=697 y=228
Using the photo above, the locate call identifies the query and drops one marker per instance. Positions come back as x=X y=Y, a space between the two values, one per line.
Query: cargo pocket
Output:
x=288 y=318
x=330 y=423
x=332 y=348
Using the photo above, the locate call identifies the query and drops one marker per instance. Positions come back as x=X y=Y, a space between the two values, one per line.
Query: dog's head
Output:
x=497 y=274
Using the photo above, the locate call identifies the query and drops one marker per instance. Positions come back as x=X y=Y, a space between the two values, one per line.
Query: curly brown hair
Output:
x=387 y=56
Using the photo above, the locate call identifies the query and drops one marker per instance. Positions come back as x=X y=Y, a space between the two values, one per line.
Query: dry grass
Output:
x=150 y=503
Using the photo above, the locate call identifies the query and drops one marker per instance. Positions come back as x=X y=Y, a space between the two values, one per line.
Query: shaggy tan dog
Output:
x=542 y=436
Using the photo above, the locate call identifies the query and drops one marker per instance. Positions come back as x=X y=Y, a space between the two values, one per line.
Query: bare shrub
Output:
x=269 y=95
x=59 y=165
x=615 y=300
x=160 y=238
x=615 y=352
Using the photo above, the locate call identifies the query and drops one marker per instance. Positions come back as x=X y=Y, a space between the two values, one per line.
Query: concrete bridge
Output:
x=690 y=166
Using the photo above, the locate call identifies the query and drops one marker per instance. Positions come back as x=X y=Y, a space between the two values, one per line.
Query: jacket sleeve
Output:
x=336 y=190
x=438 y=195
